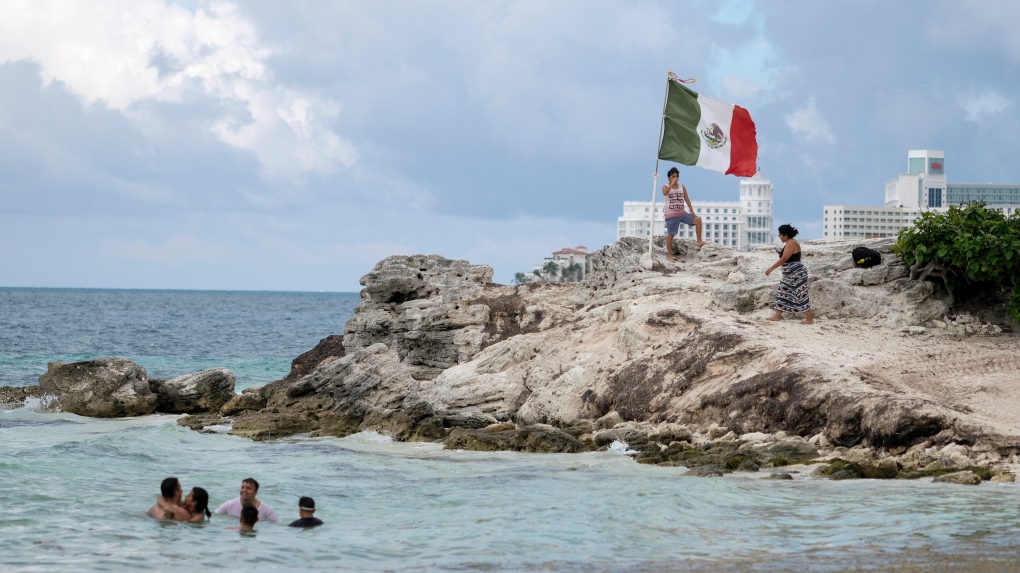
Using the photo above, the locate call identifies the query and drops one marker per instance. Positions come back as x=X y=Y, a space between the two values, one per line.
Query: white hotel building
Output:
x=922 y=188
x=743 y=224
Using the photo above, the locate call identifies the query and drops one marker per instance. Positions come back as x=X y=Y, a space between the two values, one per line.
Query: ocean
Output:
x=75 y=490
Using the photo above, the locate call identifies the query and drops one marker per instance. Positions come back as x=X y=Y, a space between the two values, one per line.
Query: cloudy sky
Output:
x=265 y=145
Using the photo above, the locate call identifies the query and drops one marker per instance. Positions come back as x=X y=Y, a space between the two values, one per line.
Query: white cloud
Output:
x=810 y=123
x=980 y=106
x=120 y=53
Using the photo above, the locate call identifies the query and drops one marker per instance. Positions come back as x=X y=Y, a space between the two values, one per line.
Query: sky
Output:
x=265 y=145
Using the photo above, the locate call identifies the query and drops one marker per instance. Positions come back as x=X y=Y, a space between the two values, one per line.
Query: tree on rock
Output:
x=966 y=246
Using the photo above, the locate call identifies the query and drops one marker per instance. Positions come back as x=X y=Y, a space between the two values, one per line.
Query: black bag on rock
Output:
x=866 y=258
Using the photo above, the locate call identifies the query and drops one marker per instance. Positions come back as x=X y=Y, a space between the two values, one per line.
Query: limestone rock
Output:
x=962 y=478
x=433 y=312
x=436 y=348
x=101 y=388
x=244 y=401
x=204 y=391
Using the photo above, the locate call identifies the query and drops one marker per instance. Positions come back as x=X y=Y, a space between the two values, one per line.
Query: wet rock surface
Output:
x=101 y=388
x=13 y=397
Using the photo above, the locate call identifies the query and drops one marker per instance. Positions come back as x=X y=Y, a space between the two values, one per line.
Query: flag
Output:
x=707 y=133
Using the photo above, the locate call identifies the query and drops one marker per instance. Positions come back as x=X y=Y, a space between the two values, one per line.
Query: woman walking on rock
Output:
x=792 y=294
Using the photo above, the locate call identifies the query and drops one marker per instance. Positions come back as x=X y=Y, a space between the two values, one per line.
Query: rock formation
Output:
x=101 y=388
x=202 y=391
x=437 y=351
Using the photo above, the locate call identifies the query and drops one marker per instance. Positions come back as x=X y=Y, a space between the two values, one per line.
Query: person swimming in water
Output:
x=194 y=508
x=168 y=504
x=197 y=504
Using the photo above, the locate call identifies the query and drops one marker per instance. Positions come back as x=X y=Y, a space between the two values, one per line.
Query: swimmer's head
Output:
x=200 y=498
x=170 y=488
x=249 y=515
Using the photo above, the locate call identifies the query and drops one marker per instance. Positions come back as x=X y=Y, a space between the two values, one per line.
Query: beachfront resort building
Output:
x=565 y=265
x=922 y=188
x=743 y=224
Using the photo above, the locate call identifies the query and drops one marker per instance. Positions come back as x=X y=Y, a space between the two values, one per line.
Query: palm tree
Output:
x=575 y=272
x=551 y=268
x=519 y=278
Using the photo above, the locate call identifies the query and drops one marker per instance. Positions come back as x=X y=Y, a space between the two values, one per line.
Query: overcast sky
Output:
x=291 y=145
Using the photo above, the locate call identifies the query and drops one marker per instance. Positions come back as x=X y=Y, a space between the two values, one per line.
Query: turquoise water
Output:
x=75 y=490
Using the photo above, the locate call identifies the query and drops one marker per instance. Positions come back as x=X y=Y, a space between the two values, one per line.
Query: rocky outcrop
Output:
x=101 y=388
x=205 y=391
x=651 y=356
x=13 y=397
x=435 y=313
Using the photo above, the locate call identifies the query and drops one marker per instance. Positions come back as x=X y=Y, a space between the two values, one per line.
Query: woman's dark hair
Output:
x=672 y=170
x=788 y=231
x=201 y=498
x=169 y=487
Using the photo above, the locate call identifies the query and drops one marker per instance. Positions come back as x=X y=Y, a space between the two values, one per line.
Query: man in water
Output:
x=306 y=507
x=169 y=507
x=249 y=489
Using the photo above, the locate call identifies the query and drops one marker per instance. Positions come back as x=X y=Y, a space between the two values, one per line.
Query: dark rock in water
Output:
x=538 y=438
x=414 y=423
x=881 y=469
x=962 y=478
x=330 y=347
x=845 y=474
x=630 y=436
x=200 y=422
x=706 y=471
x=780 y=476
x=269 y=425
x=474 y=420
x=12 y=397
x=479 y=440
x=793 y=451
x=101 y=388
x=205 y=391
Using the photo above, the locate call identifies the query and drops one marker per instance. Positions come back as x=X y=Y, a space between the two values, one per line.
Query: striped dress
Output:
x=792 y=294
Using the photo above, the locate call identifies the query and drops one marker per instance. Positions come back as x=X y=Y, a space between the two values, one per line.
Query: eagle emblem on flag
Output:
x=714 y=136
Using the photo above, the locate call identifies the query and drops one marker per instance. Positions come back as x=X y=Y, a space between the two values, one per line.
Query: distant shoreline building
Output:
x=743 y=224
x=922 y=188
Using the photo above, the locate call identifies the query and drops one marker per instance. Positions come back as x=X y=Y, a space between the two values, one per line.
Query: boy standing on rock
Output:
x=675 y=213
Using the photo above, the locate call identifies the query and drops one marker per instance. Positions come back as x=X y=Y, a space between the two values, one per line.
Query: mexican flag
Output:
x=707 y=133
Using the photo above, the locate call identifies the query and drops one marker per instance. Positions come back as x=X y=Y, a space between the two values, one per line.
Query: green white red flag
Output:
x=708 y=133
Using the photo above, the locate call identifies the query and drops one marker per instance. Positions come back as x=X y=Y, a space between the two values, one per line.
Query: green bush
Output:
x=966 y=246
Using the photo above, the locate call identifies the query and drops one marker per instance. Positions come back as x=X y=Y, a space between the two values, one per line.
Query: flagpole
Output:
x=655 y=178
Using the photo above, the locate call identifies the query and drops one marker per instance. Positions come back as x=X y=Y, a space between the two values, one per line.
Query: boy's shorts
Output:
x=673 y=225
